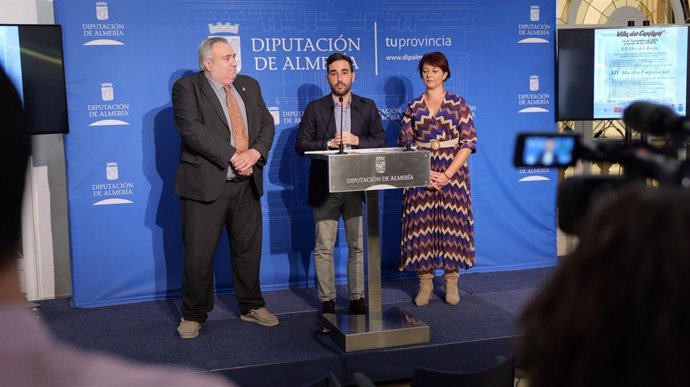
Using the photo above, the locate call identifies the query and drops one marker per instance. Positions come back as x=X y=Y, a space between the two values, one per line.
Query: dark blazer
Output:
x=318 y=126
x=206 y=149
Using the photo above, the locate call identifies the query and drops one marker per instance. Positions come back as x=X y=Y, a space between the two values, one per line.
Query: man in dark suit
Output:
x=320 y=129
x=226 y=133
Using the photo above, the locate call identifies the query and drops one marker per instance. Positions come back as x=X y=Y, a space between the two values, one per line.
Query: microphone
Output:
x=341 y=148
x=389 y=118
x=658 y=120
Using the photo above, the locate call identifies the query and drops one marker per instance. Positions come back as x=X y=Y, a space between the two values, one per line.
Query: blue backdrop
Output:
x=122 y=57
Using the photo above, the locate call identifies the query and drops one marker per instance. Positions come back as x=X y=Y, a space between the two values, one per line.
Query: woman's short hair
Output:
x=436 y=59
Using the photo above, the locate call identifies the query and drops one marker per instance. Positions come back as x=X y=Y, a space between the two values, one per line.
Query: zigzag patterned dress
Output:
x=437 y=226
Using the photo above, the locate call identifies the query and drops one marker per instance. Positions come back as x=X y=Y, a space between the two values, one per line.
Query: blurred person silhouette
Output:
x=547 y=157
x=616 y=312
x=29 y=355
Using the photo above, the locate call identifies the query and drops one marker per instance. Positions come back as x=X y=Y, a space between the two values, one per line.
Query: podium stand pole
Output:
x=374 y=260
x=373 y=170
x=379 y=328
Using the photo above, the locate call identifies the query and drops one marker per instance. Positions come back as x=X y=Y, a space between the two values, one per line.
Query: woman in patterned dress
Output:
x=437 y=224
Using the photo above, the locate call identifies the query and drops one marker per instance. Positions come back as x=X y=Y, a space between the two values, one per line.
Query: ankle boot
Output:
x=426 y=288
x=452 y=294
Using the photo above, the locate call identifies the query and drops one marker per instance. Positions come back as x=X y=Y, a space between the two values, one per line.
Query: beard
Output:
x=340 y=94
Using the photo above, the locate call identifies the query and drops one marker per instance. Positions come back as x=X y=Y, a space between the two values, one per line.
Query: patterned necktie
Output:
x=236 y=121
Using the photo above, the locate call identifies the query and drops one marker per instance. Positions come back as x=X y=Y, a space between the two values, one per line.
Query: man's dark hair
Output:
x=15 y=146
x=336 y=56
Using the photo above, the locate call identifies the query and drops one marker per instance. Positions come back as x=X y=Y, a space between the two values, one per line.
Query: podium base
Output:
x=393 y=327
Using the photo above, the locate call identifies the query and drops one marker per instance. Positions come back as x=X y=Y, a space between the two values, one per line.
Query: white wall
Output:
x=45 y=227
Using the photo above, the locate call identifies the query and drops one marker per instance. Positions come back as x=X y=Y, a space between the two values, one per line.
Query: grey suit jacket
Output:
x=206 y=149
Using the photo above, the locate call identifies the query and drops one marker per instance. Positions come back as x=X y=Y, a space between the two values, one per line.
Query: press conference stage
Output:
x=470 y=336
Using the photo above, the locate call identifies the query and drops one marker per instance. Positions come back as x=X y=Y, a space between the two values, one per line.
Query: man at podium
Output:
x=340 y=118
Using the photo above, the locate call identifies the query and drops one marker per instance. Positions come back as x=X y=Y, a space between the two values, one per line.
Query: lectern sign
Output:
x=376 y=169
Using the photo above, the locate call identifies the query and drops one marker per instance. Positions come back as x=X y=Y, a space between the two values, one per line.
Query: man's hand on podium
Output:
x=348 y=139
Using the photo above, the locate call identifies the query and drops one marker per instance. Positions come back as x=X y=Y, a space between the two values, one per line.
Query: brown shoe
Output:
x=426 y=288
x=452 y=293
x=260 y=316
x=188 y=329
x=328 y=307
x=358 y=306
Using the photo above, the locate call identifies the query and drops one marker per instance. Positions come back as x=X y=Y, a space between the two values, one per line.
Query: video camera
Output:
x=668 y=165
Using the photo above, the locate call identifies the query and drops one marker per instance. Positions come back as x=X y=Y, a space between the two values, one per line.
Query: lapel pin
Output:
x=243 y=89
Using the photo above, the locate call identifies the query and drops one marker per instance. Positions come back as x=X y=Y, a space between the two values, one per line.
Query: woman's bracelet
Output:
x=444 y=174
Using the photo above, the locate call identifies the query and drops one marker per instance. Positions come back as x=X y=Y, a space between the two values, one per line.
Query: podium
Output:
x=372 y=170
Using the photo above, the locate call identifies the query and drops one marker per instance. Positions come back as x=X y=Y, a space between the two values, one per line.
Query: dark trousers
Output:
x=239 y=210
